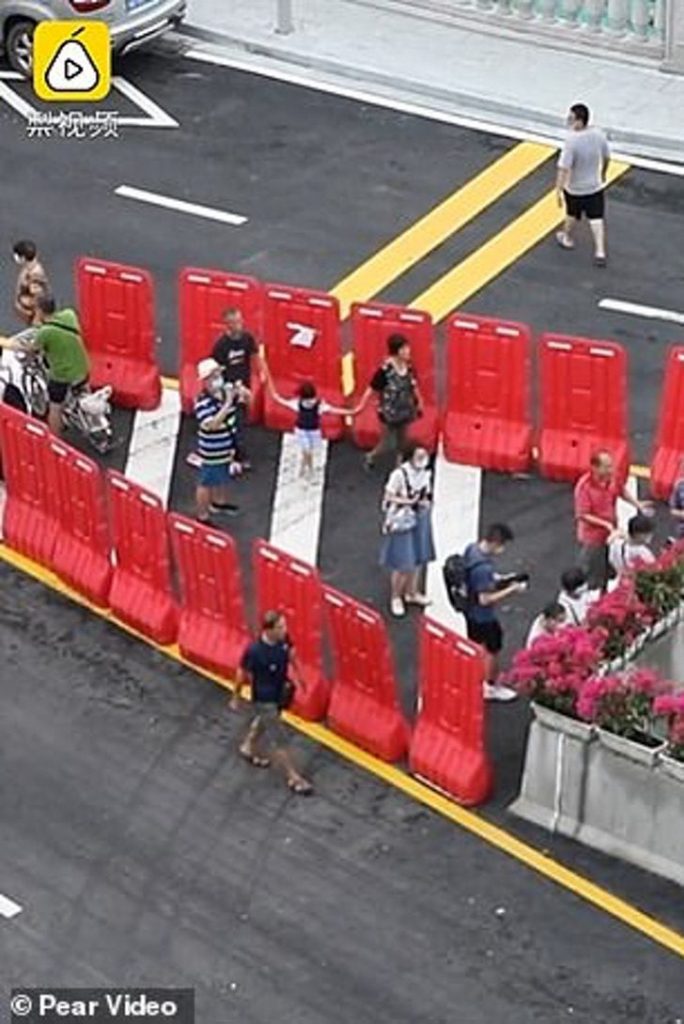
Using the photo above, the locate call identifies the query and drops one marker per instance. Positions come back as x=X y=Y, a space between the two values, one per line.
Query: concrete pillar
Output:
x=674 y=36
x=594 y=12
x=618 y=16
x=548 y=9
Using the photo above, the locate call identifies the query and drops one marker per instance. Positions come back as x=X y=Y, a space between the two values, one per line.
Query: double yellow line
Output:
x=446 y=219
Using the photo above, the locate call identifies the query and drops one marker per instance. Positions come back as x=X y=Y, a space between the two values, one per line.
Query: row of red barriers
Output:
x=487 y=419
x=111 y=541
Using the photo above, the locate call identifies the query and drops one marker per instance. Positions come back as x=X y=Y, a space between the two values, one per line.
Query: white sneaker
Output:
x=397 y=608
x=492 y=691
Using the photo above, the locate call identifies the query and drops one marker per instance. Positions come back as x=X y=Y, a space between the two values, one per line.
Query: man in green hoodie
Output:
x=59 y=338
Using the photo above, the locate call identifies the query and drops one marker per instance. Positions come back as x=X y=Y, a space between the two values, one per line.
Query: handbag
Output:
x=287 y=695
x=400 y=518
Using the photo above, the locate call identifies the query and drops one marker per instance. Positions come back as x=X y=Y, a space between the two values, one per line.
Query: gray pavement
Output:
x=454 y=68
x=144 y=852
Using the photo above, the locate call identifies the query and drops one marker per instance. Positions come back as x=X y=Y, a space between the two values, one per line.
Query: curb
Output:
x=528 y=119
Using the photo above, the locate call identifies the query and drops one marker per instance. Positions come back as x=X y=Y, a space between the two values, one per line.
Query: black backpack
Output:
x=455 y=573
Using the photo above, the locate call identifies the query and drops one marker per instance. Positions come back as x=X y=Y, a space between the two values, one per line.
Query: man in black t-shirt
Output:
x=266 y=664
x=234 y=352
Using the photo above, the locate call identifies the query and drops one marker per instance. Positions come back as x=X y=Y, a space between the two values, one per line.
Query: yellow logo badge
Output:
x=72 y=60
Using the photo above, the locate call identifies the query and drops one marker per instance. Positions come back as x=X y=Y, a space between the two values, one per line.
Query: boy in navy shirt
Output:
x=266 y=666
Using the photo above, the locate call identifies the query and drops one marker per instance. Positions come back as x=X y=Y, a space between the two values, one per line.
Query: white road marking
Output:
x=456 y=523
x=152 y=449
x=180 y=205
x=8 y=908
x=349 y=92
x=298 y=503
x=648 y=312
x=156 y=117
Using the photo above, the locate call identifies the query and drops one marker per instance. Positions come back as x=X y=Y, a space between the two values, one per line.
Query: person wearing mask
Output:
x=399 y=399
x=626 y=552
x=215 y=415
x=596 y=496
x=237 y=352
x=309 y=409
x=677 y=503
x=485 y=592
x=575 y=595
x=267 y=666
x=552 y=618
x=32 y=281
x=407 y=544
x=581 y=181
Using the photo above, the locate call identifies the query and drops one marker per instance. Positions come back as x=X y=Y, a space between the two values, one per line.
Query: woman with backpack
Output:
x=399 y=399
x=407 y=544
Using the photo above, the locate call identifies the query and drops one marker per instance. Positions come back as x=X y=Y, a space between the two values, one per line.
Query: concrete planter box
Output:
x=597 y=788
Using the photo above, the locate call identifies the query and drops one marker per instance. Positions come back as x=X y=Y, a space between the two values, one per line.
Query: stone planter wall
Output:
x=604 y=794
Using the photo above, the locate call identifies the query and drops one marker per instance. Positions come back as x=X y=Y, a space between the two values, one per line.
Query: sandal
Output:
x=255 y=760
x=564 y=241
x=300 y=787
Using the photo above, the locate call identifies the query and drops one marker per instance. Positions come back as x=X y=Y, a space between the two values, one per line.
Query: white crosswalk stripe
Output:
x=152 y=448
x=298 y=502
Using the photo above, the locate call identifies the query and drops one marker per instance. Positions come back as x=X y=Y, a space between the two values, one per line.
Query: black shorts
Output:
x=592 y=206
x=488 y=634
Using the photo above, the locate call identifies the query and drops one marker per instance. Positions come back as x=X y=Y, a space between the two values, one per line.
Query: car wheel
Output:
x=19 y=46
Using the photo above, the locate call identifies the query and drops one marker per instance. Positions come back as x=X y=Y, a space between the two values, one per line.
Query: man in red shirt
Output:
x=596 y=495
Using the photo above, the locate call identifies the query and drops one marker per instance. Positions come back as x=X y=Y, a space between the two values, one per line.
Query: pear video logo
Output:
x=72 y=60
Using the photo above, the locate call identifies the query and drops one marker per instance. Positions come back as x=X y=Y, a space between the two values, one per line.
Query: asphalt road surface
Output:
x=142 y=850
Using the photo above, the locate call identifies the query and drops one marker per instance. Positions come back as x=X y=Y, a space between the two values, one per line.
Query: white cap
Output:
x=206 y=367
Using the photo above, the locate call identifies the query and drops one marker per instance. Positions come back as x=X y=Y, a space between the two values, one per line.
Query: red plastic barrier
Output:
x=669 y=447
x=212 y=631
x=487 y=420
x=302 y=336
x=448 y=744
x=116 y=304
x=364 y=706
x=82 y=550
x=583 y=403
x=288 y=585
x=372 y=324
x=31 y=516
x=204 y=296
x=141 y=593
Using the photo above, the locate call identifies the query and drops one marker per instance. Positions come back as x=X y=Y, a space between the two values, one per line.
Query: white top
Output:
x=577 y=607
x=624 y=555
x=418 y=480
x=536 y=630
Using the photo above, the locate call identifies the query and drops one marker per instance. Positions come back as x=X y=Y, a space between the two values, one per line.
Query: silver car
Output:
x=132 y=23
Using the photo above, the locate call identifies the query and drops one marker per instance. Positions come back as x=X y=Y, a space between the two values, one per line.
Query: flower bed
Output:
x=583 y=671
x=605 y=753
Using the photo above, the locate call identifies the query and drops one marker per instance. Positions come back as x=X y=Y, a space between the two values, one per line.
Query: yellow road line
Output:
x=495 y=836
x=407 y=249
x=482 y=266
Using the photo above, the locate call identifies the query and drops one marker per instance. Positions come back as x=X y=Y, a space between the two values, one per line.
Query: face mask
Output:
x=580 y=592
x=17 y=258
x=216 y=386
x=421 y=463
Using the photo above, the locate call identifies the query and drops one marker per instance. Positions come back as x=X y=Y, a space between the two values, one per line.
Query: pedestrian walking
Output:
x=309 y=408
x=237 y=353
x=581 y=181
x=32 y=281
x=215 y=415
x=399 y=398
x=677 y=503
x=407 y=544
x=625 y=553
x=269 y=667
x=485 y=590
x=596 y=496
x=575 y=595
x=552 y=618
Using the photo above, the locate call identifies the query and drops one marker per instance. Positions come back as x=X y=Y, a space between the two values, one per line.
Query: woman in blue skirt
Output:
x=407 y=544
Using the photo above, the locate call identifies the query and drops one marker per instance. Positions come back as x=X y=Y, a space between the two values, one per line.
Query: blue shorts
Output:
x=308 y=440
x=214 y=475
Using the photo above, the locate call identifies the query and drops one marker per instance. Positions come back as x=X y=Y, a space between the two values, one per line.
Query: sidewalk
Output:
x=513 y=83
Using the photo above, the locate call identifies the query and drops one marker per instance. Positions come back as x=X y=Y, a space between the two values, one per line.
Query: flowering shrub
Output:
x=671 y=706
x=554 y=669
x=622 y=616
x=660 y=587
x=622 y=704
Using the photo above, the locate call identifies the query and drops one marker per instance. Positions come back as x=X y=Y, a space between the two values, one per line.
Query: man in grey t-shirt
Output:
x=582 y=167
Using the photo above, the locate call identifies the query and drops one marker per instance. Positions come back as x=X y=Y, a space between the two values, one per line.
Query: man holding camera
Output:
x=485 y=591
